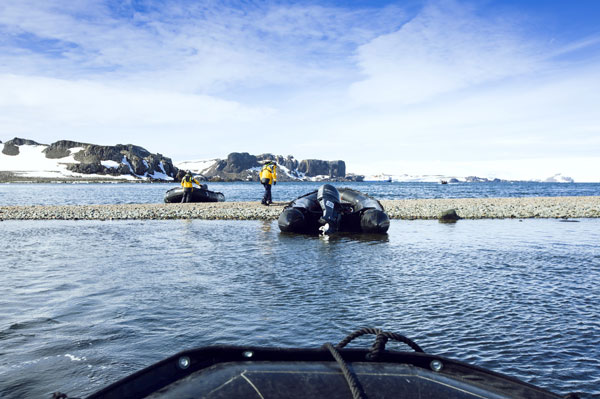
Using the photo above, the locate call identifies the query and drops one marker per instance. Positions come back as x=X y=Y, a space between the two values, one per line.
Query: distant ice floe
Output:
x=406 y=178
x=559 y=178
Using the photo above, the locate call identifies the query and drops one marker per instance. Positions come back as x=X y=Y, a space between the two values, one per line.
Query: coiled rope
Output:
x=381 y=338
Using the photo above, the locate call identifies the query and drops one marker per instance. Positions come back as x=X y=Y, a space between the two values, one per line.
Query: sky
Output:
x=507 y=89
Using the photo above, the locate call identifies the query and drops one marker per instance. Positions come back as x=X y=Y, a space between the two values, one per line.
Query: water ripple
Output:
x=92 y=301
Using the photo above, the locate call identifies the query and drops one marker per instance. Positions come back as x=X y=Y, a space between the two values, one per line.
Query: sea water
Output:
x=136 y=193
x=85 y=303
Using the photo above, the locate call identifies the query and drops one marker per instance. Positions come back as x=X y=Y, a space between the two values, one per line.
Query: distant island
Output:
x=24 y=160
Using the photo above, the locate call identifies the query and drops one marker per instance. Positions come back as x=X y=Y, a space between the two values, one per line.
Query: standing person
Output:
x=188 y=186
x=268 y=176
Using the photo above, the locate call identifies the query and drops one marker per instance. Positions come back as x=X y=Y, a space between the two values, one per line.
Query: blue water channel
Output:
x=85 y=302
x=132 y=193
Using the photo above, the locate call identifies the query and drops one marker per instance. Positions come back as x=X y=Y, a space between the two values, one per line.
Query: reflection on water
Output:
x=88 y=302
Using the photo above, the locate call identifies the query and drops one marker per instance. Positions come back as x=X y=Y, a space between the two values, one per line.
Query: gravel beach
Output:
x=467 y=208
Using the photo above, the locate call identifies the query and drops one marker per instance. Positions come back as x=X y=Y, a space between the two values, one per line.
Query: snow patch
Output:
x=199 y=166
x=158 y=175
x=126 y=163
x=31 y=158
x=110 y=164
x=31 y=162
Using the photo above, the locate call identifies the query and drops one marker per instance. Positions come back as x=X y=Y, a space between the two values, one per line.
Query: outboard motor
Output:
x=374 y=221
x=329 y=199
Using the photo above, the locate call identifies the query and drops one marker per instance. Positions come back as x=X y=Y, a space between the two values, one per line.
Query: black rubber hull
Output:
x=363 y=214
x=198 y=195
x=248 y=372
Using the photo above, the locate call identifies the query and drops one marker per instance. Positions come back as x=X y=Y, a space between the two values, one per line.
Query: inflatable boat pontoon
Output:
x=198 y=195
x=329 y=210
x=329 y=372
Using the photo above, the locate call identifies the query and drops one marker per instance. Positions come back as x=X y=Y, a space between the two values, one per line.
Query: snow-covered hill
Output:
x=71 y=161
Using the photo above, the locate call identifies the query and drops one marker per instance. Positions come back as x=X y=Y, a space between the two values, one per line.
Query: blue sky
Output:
x=507 y=89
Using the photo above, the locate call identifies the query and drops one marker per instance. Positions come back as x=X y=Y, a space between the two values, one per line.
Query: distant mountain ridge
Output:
x=65 y=160
x=242 y=166
x=71 y=160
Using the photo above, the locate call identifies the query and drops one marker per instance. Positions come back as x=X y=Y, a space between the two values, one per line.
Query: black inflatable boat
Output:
x=329 y=210
x=198 y=195
x=329 y=372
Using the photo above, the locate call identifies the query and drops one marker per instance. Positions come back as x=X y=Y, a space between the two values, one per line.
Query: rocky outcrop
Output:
x=11 y=147
x=288 y=162
x=316 y=167
x=62 y=148
x=129 y=159
x=449 y=216
x=103 y=160
x=244 y=166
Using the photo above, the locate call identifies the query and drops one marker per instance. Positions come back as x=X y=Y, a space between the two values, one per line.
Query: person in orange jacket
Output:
x=188 y=186
x=268 y=176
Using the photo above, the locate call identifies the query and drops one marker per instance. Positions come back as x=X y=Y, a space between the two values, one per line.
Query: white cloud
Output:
x=447 y=47
x=445 y=84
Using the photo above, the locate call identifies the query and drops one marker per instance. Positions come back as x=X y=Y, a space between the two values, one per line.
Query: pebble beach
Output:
x=466 y=208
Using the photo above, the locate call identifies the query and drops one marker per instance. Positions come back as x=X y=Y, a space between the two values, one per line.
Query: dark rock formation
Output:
x=316 y=167
x=449 y=216
x=353 y=177
x=10 y=149
x=11 y=146
x=132 y=160
x=61 y=148
x=238 y=162
x=288 y=162
x=245 y=167
x=129 y=159
x=337 y=168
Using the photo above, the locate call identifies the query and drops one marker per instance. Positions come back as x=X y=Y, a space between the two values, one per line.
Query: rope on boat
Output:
x=381 y=338
x=353 y=384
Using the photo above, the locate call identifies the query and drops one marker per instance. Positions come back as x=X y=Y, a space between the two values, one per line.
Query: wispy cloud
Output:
x=447 y=47
x=370 y=85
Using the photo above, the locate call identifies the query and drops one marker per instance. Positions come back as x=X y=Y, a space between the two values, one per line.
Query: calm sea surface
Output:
x=87 y=302
x=132 y=193
x=84 y=302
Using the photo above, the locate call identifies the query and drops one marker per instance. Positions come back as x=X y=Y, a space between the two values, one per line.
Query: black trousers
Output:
x=267 y=197
x=187 y=194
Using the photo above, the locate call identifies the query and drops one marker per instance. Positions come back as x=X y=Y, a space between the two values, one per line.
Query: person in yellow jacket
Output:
x=188 y=186
x=268 y=176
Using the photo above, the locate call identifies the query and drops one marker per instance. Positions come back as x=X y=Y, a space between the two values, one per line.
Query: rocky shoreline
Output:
x=466 y=208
